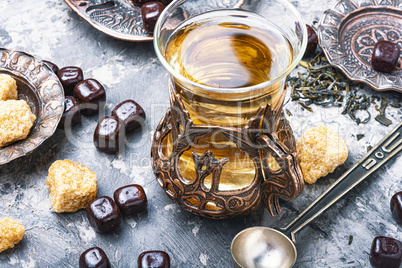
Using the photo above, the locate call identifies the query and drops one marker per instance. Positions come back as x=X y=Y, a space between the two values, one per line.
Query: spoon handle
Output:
x=375 y=158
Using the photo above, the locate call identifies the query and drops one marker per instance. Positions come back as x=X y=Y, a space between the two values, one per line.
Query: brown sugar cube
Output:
x=72 y=186
x=16 y=121
x=11 y=233
x=8 y=87
x=320 y=151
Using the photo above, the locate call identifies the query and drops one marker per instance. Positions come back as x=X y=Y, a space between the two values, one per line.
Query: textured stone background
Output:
x=50 y=30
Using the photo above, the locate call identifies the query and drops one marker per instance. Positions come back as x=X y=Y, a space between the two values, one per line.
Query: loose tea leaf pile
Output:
x=321 y=85
x=324 y=85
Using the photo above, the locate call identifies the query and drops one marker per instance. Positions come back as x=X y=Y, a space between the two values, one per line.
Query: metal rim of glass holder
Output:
x=275 y=139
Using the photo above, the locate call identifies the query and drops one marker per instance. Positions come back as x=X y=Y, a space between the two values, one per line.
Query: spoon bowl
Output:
x=263 y=247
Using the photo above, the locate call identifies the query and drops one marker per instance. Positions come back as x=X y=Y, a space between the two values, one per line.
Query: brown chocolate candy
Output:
x=386 y=252
x=131 y=199
x=396 y=207
x=385 y=56
x=311 y=42
x=140 y=2
x=154 y=259
x=72 y=115
x=107 y=136
x=103 y=215
x=94 y=258
x=91 y=95
x=52 y=66
x=131 y=114
x=69 y=77
x=150 y=13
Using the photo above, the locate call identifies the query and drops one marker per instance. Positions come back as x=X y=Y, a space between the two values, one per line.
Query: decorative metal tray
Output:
x=120 y=19
x=348 y=32
x=41 y=89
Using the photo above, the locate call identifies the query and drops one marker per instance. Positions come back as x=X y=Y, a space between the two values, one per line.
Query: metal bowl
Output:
x=120 y=19
x=348 y=32
x=42 y=90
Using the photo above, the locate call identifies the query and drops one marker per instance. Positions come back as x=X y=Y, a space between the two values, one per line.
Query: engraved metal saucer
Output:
x=348 y=32
x=42 y=90
x=120 y=19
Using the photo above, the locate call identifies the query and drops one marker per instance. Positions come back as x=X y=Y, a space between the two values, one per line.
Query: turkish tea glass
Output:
x=228 y=61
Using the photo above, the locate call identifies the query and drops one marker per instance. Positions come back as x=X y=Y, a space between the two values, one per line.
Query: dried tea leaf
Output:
x=383 y=120
x=381 y=116
x=288 y=112
x=350 y=239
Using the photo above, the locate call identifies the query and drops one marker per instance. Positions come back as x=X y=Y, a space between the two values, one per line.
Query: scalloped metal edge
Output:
x=337 y=62
x=50 y=93
x=80 y=10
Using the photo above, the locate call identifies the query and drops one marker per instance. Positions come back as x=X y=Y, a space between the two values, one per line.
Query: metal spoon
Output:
x=263 y=247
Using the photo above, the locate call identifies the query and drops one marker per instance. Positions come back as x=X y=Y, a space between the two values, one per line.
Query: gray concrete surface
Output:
x=49 y=30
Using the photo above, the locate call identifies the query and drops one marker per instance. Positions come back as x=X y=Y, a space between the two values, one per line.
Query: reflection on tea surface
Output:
x=228 y=49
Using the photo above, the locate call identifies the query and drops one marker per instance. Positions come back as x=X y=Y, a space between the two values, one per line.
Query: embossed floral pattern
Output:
x=350 y=29
x=366 y=40
x=268 y=184
x=118 y=18
x=45 y=96
x=122 y=19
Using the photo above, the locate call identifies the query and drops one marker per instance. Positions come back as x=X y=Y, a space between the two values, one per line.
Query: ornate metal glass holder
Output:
x=268 y=134
x=223 y=151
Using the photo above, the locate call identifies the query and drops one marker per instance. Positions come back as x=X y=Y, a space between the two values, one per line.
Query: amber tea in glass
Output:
x=227 y=58
x=226 y=49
